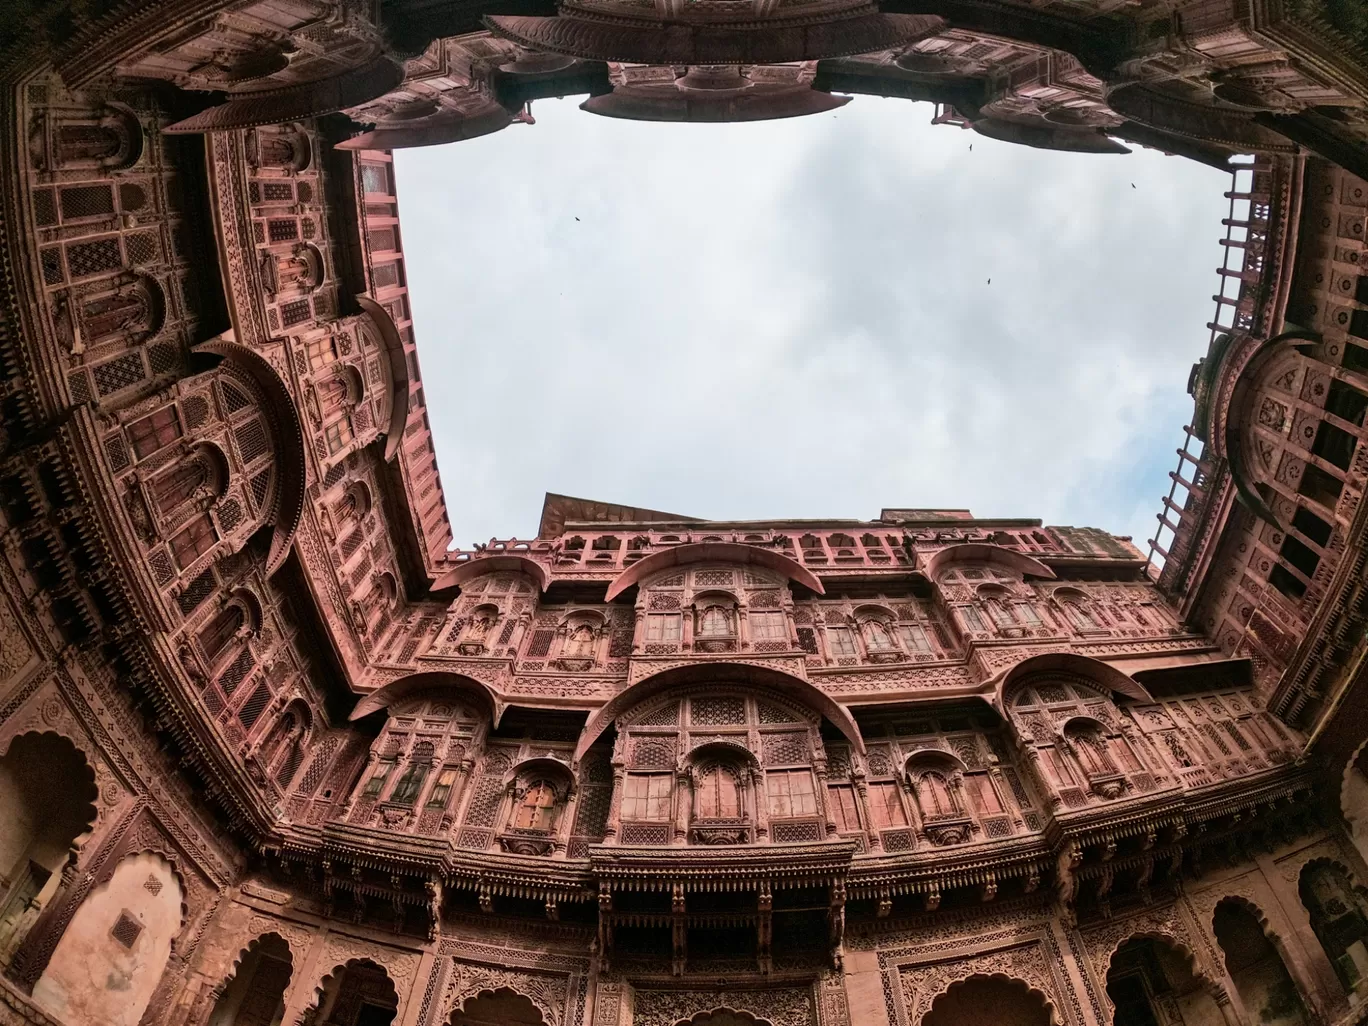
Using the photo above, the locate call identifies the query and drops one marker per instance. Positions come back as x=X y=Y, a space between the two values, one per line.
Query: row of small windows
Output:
x=1320 y=487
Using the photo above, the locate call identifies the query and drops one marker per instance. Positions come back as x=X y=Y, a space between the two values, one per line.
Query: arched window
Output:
x=877 y=636
x=220 y=630
x=411 y=783
x=715 y=622
x=1090 y=746
x=717 y=793
x=179 y=484
x=580 y=643
x=1078 y=613
x=1338 y=918
x=478 y=628
x=537 y=807
x=935 y=797
x=332 y=395
x=132 y=311
x=294 y=726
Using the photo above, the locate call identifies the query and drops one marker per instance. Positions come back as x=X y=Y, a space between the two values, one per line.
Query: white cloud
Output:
x=792 y=318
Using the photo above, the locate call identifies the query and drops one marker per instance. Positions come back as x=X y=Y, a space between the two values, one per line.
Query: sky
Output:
x=795 y=319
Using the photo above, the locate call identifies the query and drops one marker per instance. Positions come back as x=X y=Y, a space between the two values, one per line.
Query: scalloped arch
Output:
x=714 y=552
x=1046 y=1005
x=476 y=989
x=254 y=944
x=1199 y=969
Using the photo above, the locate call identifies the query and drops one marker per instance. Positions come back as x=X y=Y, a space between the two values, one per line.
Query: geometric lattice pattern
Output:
x=126 y=930
x=237 y=671
x=118 y=373
x=86 y=201
x=251 y=441
x=717 y=711
x=196 y=592
x=87 y=258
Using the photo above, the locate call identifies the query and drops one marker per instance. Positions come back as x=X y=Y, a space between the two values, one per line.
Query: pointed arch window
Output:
x=537 y=808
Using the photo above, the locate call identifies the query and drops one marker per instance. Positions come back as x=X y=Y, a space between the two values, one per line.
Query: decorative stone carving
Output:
x=780 y=1006
x=468 y=979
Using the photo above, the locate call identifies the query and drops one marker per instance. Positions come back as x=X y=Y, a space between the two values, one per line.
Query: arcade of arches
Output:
x=274 y=753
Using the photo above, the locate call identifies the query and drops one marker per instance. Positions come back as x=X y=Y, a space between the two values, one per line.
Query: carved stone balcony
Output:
x=522 y=841
x=720 y=831
x=947 y=830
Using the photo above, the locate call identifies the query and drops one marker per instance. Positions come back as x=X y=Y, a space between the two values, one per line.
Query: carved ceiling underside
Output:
x=226 y=582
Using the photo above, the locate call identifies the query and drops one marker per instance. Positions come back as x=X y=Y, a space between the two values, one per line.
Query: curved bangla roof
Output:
x=290 y=465
x=350 y=88
x=398 y=372
x=481 y=565
x=795 y=688
x=1102 y=674
x=984 y=552
x=653 y=42
x=714 y=552
x=435 y=681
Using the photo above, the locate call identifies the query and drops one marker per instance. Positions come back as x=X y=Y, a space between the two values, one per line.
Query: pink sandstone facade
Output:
x=272 y=752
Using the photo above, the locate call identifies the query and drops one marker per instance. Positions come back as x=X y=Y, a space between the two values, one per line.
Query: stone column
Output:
x=566 y=824
x=611 y=831
x=871 y=833
x=761 y=809
x=682 y=797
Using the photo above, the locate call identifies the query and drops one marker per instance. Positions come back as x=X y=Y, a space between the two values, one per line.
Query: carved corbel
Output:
x=988 y=889
x=885 y=904
x=836 y=922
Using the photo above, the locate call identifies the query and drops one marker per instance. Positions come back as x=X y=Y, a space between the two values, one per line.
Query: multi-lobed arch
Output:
x=969 y=977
